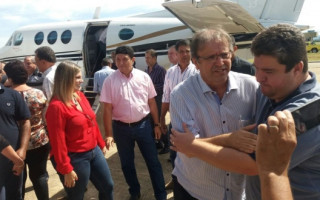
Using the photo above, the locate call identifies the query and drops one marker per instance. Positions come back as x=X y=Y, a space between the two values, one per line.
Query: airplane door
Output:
x=94 y=47
x=198 y=14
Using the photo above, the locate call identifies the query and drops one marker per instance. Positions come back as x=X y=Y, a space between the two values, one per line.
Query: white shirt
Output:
x=48 y=80
x=194 y=103
x=173 y=77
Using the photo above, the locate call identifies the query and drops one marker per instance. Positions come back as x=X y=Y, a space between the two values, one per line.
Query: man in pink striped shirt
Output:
x=128 y=98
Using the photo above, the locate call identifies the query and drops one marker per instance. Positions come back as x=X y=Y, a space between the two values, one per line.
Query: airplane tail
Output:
x=96 y=14
x=270 y=12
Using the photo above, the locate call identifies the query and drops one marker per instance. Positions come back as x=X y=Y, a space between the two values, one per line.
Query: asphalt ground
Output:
x=120 y=187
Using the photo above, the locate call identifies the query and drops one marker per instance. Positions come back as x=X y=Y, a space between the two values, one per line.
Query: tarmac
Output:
x=56 y=190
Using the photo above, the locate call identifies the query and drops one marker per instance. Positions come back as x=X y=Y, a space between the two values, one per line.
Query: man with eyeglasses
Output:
x=175 y=75
x=211 y=102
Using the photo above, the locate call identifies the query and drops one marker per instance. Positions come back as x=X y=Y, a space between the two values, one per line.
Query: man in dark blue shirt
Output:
x=157 y=74
x=15 y=128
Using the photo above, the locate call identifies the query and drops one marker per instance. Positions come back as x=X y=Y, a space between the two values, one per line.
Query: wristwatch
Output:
x=157 y=124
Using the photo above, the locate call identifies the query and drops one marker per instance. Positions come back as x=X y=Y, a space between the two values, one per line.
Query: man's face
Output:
x=214 y=62
x=184 y=55
x=275 y=83
x=29 y=65
x=151 y=61
x=124 y=63
x=172 y=55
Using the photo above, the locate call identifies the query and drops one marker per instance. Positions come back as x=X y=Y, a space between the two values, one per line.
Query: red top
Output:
x=71 y=130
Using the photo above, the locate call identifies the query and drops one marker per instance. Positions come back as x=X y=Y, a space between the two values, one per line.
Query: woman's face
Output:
x=78 y=81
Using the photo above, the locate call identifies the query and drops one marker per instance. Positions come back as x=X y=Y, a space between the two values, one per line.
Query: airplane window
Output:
x=38 y=38
x=52 y=37
x=18 y=38
x=66 y=36
x=126 y=34
x=9 y=41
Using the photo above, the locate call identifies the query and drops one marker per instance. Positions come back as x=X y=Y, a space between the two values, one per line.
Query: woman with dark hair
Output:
x=38 y=149
x=76 y=141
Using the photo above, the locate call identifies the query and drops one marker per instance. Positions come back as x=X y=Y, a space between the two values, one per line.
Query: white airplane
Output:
x=77 y=40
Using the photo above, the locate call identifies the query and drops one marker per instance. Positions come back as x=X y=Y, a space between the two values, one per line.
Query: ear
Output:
x=195 y=62
x=298 y=68
x=235 y=48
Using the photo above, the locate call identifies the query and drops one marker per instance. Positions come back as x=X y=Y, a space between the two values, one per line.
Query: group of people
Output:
x=58 y=113
x=234 y=133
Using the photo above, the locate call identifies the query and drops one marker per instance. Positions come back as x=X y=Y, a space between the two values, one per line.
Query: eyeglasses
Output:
x=213 y=58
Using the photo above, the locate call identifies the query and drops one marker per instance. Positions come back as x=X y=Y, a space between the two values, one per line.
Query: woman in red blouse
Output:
x=76 y=142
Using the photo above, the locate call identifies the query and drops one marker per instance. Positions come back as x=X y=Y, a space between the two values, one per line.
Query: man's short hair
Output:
x=182 y=43
x=106 y=61
x=152 y=53
x=204 y=36
x=125 y=50
x=46 y=53
x=284 y=42
x=16 y=71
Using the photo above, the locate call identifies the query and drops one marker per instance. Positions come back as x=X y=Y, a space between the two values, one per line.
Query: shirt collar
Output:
x=232 y=83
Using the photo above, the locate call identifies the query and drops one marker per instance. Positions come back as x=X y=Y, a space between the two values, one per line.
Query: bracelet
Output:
x=157 y=125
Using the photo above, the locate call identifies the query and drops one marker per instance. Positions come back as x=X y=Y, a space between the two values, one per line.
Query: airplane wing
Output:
x=198 y=14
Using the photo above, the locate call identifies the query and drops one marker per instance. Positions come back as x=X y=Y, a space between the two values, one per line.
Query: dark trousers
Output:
x=125 y=138
x=90 y=165
x=36 y=160
x=179 y=192
x=10 y=184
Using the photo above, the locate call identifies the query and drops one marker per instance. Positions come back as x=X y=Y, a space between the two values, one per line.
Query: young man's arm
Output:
x=154 y=113
x=107 y=122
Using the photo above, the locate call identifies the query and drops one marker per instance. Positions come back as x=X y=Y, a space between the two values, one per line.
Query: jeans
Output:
x=179 y=192
x=90 y=165
x=125 y=138
x=36 y=160
x=10 y=184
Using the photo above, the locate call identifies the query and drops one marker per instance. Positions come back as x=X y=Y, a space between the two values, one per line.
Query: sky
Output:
x=17 y=13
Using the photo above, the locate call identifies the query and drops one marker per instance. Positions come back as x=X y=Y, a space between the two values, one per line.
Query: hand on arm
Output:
x=224 y=158
x=18 y=163
x=242 y=140
x=275 y=145
x=107 y=122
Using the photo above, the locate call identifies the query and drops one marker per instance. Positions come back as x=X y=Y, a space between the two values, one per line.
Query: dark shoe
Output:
x=170 y=185
x=164 y=150
x=135 y=197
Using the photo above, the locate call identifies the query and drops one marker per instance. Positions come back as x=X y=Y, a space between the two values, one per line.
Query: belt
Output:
x=131 y=124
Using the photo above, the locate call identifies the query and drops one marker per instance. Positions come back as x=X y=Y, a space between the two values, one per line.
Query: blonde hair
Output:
x=64 y=78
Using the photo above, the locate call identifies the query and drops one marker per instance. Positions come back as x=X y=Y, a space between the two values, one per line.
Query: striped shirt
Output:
x=157 y=76
x=206 y=115
x=173 y=77
x=48 y=79
x=99 y=77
